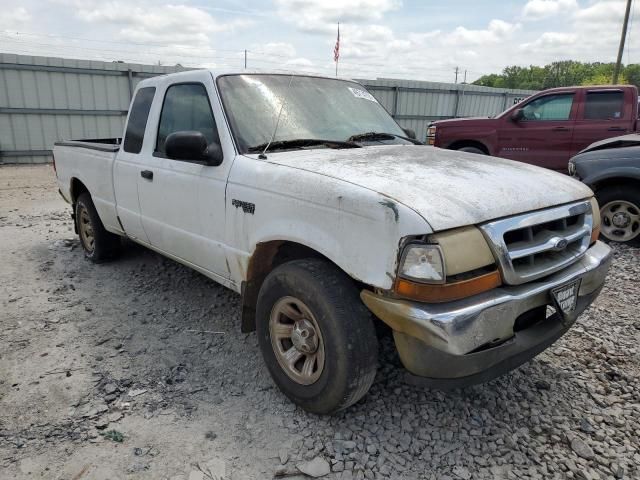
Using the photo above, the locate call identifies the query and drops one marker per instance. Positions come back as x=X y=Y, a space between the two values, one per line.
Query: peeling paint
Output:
x=392 y=206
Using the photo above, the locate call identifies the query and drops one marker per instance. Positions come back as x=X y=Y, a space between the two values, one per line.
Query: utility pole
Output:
x=245 y=59
x=465 y=77
x=616 y=72
x=457 y=70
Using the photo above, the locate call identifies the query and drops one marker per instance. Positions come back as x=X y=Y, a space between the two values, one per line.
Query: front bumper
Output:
x=478 y=338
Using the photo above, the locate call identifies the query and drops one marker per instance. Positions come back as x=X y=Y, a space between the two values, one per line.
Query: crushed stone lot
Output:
x=137 y=369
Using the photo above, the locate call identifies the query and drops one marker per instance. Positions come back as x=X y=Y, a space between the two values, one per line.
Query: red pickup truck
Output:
x=546 y=129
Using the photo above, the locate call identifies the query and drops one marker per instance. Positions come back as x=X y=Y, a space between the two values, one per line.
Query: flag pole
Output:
x=336 y=53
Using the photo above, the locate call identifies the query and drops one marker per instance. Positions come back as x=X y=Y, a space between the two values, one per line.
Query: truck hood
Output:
x=447 y=188
x=464 y=122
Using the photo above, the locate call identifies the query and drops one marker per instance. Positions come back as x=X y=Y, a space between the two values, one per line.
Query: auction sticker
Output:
x=357 y=92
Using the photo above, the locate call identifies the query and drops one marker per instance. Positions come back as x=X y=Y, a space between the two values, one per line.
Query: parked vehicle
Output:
x=612 y=169
x=305 y=196
x=546 y=129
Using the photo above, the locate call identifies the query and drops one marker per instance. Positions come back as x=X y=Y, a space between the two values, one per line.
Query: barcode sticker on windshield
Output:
x=362 y=94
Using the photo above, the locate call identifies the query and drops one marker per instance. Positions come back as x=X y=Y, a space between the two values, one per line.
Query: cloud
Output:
x=497 y=31
x=15 y=18
x=278 y=49
x=538 y=9
x=551 y=40
x=323 y=15
x=163 y=24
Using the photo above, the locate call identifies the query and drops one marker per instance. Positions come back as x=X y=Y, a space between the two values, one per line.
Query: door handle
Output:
x=148 y=174
x=617 y=129
x=560 y=129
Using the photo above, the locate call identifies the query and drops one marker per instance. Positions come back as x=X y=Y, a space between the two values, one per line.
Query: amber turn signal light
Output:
x=448 y=291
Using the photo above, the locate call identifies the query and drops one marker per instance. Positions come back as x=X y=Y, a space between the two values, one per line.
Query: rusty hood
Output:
x=447 y=188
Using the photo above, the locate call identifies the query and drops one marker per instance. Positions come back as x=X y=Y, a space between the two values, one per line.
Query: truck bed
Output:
x=89 y=162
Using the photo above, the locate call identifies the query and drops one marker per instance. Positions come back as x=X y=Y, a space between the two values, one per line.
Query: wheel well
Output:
x=77 y=187
x=265 y=258
x=468 y=143
x=615 y=182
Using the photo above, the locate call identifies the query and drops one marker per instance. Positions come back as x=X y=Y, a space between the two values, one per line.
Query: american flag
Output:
x=336 y=49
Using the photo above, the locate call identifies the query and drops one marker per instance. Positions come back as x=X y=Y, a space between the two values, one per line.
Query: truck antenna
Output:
x=263 y=155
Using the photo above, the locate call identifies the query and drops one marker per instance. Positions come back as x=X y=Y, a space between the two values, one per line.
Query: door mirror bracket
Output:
x=517 y=115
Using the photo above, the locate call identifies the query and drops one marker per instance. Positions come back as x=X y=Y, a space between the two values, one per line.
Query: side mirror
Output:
x=517 y=115
x=410 y=133
x=192 y=146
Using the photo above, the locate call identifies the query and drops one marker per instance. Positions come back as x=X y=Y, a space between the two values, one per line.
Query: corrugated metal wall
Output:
x=415 y=103
x=45 y=99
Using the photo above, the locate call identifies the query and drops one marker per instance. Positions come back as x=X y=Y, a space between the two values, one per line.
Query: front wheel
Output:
x=620 y=214
x=316 y=336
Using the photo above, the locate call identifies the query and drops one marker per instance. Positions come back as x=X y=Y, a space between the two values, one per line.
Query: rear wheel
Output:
x=317 y=338
x=620 y=214
x=98 y=244
x=471 y=150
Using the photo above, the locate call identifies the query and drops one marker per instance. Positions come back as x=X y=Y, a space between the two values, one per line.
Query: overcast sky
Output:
x=420 y=39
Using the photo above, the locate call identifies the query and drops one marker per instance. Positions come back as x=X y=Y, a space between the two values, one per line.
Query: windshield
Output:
x=314 y=108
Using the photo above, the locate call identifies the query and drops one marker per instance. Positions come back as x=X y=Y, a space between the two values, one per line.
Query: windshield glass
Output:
x=314 y=108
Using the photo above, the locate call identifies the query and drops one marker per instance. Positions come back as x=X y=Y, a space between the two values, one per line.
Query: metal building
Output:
x=45 y=99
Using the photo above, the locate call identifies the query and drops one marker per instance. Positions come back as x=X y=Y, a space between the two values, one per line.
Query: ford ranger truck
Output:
x=546 y=129
x=302 y=194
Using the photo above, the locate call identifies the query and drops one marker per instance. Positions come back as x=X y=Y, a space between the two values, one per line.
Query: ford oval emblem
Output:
x=560 y=245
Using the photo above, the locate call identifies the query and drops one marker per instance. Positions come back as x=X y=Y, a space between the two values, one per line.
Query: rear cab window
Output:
x=604 y=105
x=138 y=120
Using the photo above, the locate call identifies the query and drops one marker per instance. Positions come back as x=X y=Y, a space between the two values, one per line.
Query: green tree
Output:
x=559 y=74
x=632 y=72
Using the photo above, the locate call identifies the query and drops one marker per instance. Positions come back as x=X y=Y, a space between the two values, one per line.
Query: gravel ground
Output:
x=138 y=369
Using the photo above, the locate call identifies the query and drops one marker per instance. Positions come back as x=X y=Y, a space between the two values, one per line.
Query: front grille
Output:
x=536 y=244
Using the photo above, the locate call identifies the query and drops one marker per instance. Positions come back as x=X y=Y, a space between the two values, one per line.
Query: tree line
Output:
x=560 y=74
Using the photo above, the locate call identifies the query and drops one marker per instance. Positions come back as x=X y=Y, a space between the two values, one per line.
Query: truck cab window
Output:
x=138 y=120
x=186 y=108
x=604 y=105
x=549 y=108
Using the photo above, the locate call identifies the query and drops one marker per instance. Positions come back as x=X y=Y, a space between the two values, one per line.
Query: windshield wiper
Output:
x=303 y=142
x=380 y=136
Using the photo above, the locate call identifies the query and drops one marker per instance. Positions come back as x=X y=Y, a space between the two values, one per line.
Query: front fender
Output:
x=357 y=229
x=593 y=178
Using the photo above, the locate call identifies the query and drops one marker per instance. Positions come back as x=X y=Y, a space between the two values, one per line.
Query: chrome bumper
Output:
x=454 y=340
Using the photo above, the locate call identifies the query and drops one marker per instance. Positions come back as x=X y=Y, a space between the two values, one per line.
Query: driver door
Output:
x=182 y=202
x=543 y=136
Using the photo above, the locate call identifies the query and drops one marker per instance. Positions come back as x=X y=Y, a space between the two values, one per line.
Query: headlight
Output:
x=423 y=263
x=431 y=134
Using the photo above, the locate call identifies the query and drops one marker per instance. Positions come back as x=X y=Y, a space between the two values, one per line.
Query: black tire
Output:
x=471 y=150
x=346 y=328
x=105 y=245
x=609 y=196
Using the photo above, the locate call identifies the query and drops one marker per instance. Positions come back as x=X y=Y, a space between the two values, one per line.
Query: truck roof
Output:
x=589 y=87
x=217 y=72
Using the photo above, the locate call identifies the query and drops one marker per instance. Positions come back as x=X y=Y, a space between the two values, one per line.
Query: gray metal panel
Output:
x=47 y=99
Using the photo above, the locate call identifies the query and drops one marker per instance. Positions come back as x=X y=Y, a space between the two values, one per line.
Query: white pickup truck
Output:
x=305 y=196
